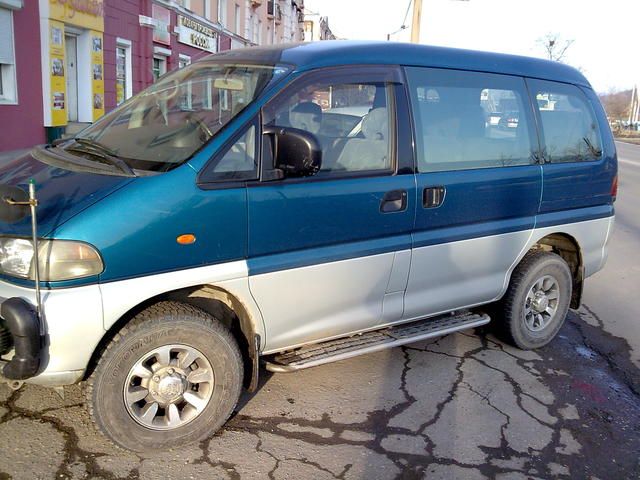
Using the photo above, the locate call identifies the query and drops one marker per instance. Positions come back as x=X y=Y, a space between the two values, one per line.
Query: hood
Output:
x=61 y=193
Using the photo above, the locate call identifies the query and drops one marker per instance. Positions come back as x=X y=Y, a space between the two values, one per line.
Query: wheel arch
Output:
x=223 y=304
x=567 y=247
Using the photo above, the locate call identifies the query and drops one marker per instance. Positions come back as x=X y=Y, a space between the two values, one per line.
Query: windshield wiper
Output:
x=94 y=148
x=596 y=152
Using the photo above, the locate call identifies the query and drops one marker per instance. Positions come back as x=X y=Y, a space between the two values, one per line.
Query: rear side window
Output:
x=569 y=128
x=467 y=120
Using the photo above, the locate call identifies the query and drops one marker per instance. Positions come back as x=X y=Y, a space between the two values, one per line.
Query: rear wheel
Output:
x=537 y=300
x=172 y=376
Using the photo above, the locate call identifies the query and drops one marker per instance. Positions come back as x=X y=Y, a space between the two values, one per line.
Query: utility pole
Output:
x=415 y=25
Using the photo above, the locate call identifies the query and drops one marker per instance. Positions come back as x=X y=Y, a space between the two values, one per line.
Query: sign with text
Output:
x=82 y=13
x=197 y=34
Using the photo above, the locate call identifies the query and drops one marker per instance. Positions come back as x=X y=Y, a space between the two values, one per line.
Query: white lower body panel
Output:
x=74 y=327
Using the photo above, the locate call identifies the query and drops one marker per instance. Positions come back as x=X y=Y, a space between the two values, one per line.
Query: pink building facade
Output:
x=21 y=123
x=65 y=63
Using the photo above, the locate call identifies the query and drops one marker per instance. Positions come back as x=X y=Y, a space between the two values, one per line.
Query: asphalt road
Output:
x=614 y=293
x=465 y=406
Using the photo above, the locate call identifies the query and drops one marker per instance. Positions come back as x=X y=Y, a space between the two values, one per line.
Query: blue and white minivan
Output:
x=297 y=205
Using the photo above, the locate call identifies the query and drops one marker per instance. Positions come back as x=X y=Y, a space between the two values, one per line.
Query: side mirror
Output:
x=296 y=153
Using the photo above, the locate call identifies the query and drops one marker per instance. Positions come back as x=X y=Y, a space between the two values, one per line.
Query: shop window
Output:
x=8 y=90
x=124 y=86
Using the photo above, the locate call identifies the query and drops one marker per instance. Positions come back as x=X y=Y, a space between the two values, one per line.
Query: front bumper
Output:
x=58 y=352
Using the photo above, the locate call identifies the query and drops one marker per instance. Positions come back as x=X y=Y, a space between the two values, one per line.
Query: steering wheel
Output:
x=200 y=125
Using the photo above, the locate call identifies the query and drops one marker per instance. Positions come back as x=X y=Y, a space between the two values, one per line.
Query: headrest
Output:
x=375 y=125
x=306 y=116
x=307 y=107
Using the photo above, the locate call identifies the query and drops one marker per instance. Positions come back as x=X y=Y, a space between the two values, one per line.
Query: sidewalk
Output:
x=8 y=156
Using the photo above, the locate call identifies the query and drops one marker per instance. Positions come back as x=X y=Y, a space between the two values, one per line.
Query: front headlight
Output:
x=15 y=256
x=59 y=259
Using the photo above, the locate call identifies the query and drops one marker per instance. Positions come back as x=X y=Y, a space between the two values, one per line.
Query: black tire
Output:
x=511 y=321
x=159 y=325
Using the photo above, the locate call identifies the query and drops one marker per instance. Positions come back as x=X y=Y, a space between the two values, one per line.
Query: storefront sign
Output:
x=57 y=74
x=97 y=83
x=161 y=22
x=82 y=13
x=196 y=34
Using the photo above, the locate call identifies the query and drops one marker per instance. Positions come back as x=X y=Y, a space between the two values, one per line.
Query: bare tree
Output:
x=616 y=103
x=555 y=47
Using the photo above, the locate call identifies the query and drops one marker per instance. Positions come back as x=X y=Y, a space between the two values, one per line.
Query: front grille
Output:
x=6 y=342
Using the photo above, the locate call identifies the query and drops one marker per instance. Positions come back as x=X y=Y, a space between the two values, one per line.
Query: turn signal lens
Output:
x=66 y=260
x=614 y=188
x=186 y=239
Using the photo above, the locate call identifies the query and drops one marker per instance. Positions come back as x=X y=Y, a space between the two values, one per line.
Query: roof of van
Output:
x=308 y=55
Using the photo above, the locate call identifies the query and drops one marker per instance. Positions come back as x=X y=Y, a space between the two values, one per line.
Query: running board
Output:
x=373 y=341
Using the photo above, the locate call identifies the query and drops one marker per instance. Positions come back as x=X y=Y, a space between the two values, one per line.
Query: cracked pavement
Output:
x=465 y=406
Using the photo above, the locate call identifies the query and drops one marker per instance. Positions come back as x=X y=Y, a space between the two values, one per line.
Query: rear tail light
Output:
x=614 y=188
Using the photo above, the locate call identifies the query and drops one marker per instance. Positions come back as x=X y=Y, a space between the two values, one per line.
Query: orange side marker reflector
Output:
x=186 y=239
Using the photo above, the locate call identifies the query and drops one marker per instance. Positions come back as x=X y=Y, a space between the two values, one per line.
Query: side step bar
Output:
x=376 y=340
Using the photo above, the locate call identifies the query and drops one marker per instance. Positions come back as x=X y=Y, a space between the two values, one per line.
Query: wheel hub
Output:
x=168 y=385
x=540 y=302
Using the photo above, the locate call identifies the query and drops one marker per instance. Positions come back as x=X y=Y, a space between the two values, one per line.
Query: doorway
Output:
x=71 y=58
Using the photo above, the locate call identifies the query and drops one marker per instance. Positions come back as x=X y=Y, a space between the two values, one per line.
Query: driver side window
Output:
x=352 y=122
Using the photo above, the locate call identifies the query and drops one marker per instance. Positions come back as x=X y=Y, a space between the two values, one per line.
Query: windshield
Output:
x=168 y=122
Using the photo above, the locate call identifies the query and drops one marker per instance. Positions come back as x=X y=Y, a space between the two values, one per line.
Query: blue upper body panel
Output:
x=135 y=228
x=61 y=193
x=307 y=56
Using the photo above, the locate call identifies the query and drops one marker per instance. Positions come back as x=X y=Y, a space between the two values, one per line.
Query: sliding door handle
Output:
x=394 y=201
x=433 y=197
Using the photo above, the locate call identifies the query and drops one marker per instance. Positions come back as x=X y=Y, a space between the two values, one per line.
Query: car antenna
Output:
x=32 y=202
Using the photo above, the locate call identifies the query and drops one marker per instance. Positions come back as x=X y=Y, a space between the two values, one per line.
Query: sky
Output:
x=605 y=33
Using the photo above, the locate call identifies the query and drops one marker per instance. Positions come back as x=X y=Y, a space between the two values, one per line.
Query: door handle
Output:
x=394 y=201
x=433 y=197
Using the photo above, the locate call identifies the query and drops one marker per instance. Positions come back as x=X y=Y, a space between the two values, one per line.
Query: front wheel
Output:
x=171 y=376
x=537 y=300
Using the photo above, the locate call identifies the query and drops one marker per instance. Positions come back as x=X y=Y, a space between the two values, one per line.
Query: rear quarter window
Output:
x=569 y=130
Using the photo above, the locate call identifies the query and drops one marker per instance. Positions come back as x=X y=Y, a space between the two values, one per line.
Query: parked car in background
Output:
x=509 y=120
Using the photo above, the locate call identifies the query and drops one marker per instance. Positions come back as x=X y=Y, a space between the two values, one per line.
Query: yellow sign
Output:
x=97 y=74
x=82 y=13
x=57 y=74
